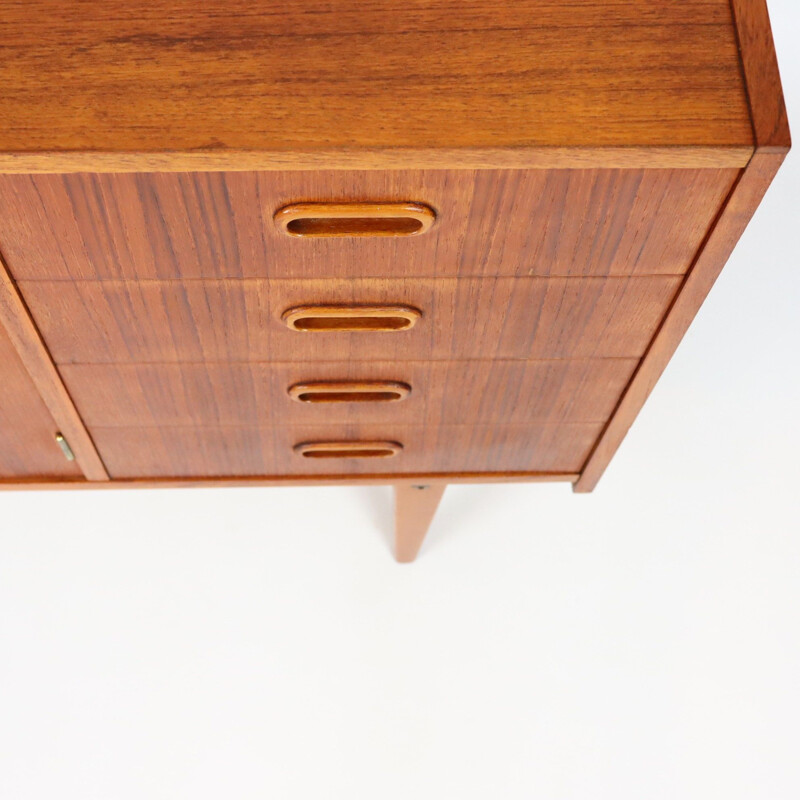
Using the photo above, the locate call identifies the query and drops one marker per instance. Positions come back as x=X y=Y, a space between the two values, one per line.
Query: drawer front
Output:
x=233 y=451
x=253 y=395
x=28 y=446
x=526 y=318
x=489 y=223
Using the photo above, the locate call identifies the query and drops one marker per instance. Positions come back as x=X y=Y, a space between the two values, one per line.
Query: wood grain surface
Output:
x=174 y=395
x=773 y=141
x=468 y=158
x=526 y=318
x=27 y=431
x=735 y=218
x=762 y=77
x=415 y=507
x=24 y=338
x=490 y=222
x=140 y=77
x=231 y=451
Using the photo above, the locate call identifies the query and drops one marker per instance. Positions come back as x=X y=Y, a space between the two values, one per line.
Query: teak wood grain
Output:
x=27 y=431
x=590 y=166
x=415 y=507
x=489 y=222
x=174 y=395
x=770 y=124
x=208 y=451
x=526 y=318
x=23 y=336
x=762 y=77
x=214 y=84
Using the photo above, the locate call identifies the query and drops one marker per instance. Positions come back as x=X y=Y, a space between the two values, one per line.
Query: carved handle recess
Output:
x=351 y=318
x=354 y=219
x=348 y=449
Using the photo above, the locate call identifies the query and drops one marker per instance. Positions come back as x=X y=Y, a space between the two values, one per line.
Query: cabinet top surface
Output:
x=329 y=77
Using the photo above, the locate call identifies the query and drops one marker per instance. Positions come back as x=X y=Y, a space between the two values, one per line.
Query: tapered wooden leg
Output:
x=414 y=510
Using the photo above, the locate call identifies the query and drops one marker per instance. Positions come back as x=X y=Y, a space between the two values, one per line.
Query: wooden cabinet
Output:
x=343 y=243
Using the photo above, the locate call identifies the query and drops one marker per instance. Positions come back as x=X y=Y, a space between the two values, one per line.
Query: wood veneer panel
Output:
x=211 y=451
x=26 y=342
x=490 y=222
x=528 y=318
x=222 y=78
x=134 y=395
x=27 y=431
x=773 y=142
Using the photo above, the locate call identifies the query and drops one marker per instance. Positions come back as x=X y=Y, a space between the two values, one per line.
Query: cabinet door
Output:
x=28 y=446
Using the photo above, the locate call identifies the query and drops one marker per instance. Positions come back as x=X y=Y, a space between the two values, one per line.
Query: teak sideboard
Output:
x=410 y=243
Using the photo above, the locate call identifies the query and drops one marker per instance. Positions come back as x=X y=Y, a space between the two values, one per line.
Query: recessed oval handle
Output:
x=348 y=449
x=354 y=219
x=349 y=392
x=351 y=318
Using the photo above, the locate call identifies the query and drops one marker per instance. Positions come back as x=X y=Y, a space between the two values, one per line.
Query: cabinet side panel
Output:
x=762 y=76
x=773 y=139
x=734 y=219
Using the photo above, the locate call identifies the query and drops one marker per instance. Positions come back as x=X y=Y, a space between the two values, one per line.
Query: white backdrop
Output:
x=641 y=642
